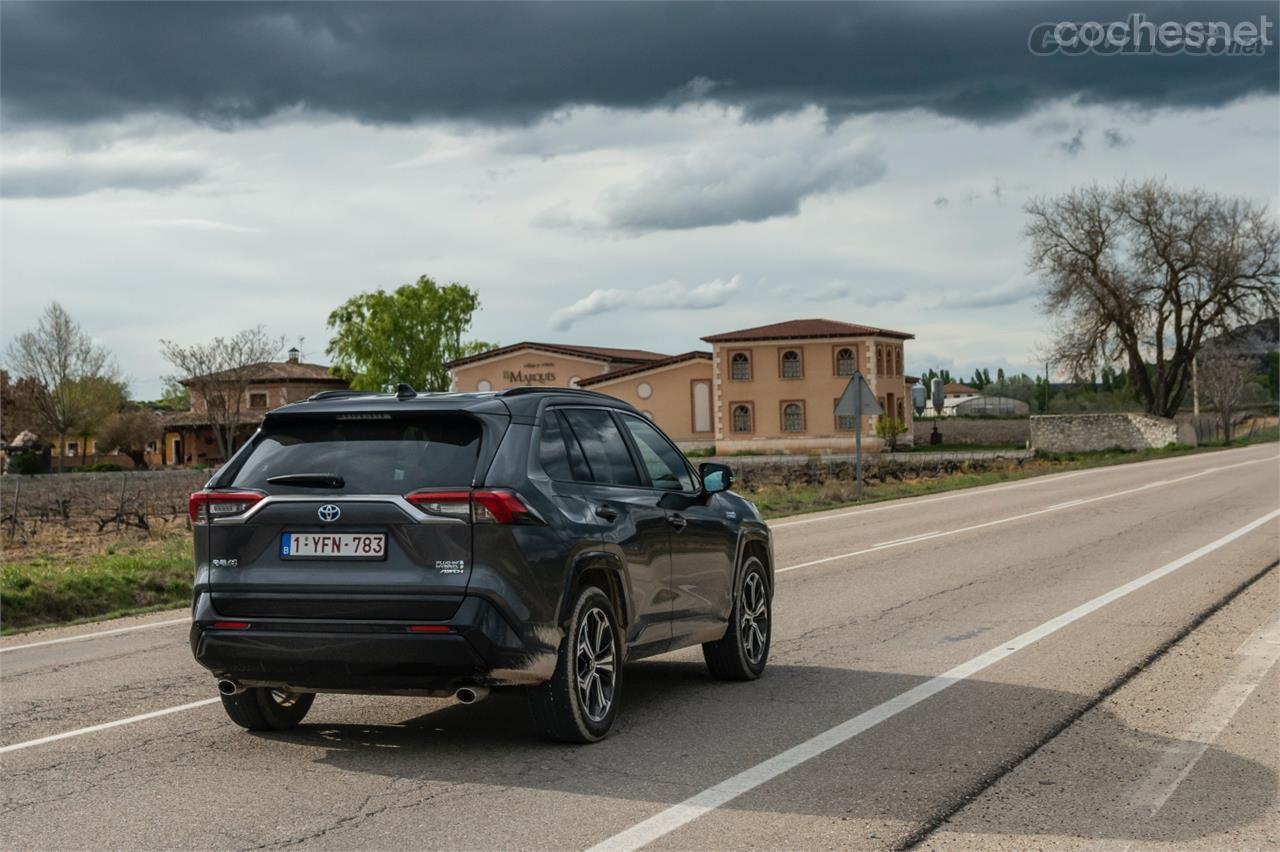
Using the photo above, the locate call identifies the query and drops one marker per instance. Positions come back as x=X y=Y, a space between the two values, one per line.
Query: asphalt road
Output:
x=1077 y=661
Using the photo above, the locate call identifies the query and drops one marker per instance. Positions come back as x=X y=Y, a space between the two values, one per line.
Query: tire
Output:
x=261 y=709
x=744 y=651
x=580 y=702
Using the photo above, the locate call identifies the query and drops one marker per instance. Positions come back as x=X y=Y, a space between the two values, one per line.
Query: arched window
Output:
x=879 y=360
x=740 y=366
x=742 y=418
x=845 y=364
x=793 y=417
x=898 y=356
x=792 y=367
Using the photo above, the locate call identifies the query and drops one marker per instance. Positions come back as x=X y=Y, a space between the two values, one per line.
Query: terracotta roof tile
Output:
x=643 y=368
x=287 y=371
x=598 y=353
x=800 y=328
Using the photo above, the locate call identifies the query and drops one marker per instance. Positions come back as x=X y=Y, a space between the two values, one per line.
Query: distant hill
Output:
x=1255 y=340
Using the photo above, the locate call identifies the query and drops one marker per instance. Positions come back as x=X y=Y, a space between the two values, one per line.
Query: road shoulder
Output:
x=1183 y=755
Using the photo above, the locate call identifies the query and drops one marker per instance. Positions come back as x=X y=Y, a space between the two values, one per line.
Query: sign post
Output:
x=857 y=401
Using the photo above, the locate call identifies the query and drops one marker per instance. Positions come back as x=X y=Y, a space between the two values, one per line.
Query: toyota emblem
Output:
x=329 y=513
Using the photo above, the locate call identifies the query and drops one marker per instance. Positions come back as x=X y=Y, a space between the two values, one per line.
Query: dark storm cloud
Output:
x=224 y=63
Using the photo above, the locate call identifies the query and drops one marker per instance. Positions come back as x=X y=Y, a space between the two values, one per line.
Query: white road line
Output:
x=79 y=732
x=674 y=817
x=1010 y=519
x=83 y=636
x=963 y=493
x=1256 y=657
x=908 y=539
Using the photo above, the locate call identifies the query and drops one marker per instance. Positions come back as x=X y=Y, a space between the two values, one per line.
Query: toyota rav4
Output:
x=453 y=543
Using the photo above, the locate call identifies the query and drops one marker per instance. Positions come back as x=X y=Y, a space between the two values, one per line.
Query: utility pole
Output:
x=1195 y=387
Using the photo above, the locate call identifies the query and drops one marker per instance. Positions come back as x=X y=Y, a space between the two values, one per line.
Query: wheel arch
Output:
x=753 y=541
x=602 y=569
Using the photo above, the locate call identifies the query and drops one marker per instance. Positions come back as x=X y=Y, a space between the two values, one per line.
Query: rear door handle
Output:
x=607 y=512
x=677 y=521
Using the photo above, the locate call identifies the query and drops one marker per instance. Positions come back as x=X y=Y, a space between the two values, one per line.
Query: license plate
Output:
x=333 y=545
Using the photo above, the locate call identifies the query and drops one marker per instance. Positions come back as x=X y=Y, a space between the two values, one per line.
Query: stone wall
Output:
x=1076 y=433
x=1012 y=432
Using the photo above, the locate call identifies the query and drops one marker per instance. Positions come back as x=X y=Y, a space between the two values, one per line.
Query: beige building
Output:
x=530 y=364
x=767 y=389
x=776 y=385
x=676 y=393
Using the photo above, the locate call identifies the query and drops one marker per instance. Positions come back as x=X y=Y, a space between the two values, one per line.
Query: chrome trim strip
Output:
x=412 y=512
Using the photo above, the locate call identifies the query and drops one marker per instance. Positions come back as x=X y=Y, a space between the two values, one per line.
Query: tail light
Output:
x=204 y=505
x=486 y=506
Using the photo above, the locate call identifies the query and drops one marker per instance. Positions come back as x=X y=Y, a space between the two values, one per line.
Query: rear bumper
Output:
x=480 y=649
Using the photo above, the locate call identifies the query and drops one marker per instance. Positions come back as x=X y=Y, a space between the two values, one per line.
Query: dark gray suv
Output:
x=448 y=544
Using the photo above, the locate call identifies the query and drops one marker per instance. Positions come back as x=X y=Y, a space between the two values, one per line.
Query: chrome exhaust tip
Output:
x=227 y=686
x=471 y=694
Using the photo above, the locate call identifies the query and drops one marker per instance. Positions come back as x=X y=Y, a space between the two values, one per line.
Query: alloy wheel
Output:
x=281 y=698
x=754 y=626
x=594 y=666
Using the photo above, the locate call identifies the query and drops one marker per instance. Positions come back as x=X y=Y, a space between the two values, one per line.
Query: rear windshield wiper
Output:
x=314 y=480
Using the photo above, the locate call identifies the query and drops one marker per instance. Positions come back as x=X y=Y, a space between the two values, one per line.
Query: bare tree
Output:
x=1224 y=381
x=77 y=384
x=130 y=432
x=219 y=373
x=1139 y=273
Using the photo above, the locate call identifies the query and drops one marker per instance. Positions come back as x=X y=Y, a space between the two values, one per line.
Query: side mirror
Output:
x=715 y=477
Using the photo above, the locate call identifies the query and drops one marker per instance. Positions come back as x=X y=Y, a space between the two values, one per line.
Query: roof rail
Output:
x=525 y=390
x=338 y=394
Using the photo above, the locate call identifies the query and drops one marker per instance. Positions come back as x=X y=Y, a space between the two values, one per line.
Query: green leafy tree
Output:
x=174 y=396
x=888 y=429
x=129 y=431
x=408 y=335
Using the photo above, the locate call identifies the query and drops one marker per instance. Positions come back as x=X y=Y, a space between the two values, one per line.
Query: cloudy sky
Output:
x=607 y=173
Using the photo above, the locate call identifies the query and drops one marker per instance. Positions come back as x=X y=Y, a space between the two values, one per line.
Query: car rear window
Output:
x=394 y=455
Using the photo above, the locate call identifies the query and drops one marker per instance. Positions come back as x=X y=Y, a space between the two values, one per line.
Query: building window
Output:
x=846 y=364
x=879 y=360
x=792 y=417
x=742 y=418
x=740 y=367
x=902 y=411
x=792 y=365
x=644 y=390
x=898 y=356
x=73 y=448
x=257 y=400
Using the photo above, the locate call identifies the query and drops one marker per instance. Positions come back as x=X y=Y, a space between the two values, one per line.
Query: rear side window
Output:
x=560 y=453
x=372 y=456
x=603 y=446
